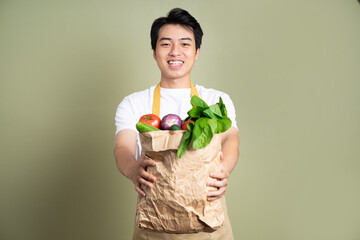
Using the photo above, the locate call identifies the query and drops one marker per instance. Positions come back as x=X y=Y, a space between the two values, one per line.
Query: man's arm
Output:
x=125 y=155
x=230 y=150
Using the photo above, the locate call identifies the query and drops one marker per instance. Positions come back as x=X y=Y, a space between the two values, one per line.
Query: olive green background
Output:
x=292 y=69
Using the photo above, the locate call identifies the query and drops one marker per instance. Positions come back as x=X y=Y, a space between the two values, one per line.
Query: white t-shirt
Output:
x=174 y=101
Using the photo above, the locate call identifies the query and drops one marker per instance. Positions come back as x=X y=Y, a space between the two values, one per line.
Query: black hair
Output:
x=176 y=16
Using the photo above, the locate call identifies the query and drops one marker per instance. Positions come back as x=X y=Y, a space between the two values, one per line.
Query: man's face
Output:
x=175 y=52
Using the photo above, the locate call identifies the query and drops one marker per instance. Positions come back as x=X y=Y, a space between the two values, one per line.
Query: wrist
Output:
x=128 y=169
x=225 y=167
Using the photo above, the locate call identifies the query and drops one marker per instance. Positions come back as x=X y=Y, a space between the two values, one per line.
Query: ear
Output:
x=197 y=53
x=154 y=55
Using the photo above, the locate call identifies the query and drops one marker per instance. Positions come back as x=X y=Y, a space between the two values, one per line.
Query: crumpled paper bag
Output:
x=178 y=201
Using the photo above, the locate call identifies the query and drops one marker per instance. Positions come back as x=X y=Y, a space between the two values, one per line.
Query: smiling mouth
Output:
x=175 y=63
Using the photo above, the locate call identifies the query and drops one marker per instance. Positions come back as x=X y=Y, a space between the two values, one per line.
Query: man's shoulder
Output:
x=209 y=92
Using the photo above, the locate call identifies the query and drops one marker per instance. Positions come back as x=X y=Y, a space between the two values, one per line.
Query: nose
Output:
x=175 y=50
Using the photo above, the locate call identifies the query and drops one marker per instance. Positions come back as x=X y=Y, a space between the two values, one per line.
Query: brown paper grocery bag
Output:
x=177 y=203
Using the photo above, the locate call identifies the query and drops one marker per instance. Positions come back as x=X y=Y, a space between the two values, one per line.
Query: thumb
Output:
x=221 y=156
x=221 y=161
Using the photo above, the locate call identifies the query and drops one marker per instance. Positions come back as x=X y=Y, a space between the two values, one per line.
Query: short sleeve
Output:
x=125 y=116
x=230 y=108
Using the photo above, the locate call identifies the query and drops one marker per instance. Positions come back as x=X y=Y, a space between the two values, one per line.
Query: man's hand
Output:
x=228 y=158
x=125 y=155
x=139 y=176
x=218 y=180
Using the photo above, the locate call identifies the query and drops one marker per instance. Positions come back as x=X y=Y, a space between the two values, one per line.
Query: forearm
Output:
x=125 y=156
x=125 y=151
x=230 y=149
x=229 y=157
x=125 y=159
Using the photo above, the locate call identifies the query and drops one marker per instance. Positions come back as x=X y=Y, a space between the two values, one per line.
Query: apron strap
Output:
x=156 y=100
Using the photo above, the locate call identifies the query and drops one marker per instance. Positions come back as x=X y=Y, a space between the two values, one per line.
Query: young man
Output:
x=175 y=41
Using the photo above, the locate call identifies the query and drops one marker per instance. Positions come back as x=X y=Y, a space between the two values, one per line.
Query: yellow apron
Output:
x=223 y=233
x=156 y=99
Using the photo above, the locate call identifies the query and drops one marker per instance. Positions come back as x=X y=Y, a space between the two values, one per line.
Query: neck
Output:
x=175 y=83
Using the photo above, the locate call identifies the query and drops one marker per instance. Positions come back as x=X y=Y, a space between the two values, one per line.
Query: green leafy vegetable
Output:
x=204 y=138
x=222 y=107
x=209 y=120
x=198 y=102
x=191 y=126
x=185 y=142
x=196 y=112
x=223 y=125
x=213 y=112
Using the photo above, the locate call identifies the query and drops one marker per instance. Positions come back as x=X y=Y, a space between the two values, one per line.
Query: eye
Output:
x=165 y=44
x=186 y=44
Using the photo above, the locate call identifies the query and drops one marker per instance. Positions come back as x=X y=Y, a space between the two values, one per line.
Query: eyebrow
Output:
x=166 y=38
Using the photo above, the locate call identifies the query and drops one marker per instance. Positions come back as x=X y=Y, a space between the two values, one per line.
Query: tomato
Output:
x=184 y=126
x=151 y=119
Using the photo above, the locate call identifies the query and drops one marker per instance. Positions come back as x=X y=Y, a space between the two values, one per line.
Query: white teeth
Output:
x=175 y=63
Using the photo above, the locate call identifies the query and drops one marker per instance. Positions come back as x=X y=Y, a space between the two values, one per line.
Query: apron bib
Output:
x=156 y=100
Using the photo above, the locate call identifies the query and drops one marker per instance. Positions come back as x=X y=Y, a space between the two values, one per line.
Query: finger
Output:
x=139 y=190
x=213 y=198
x=147 y=176
x=218 y=193
x=145 y=183
x=219 y=175
x=148 y=162
x=210 y=199
x=218 y=184
x=221 y=156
